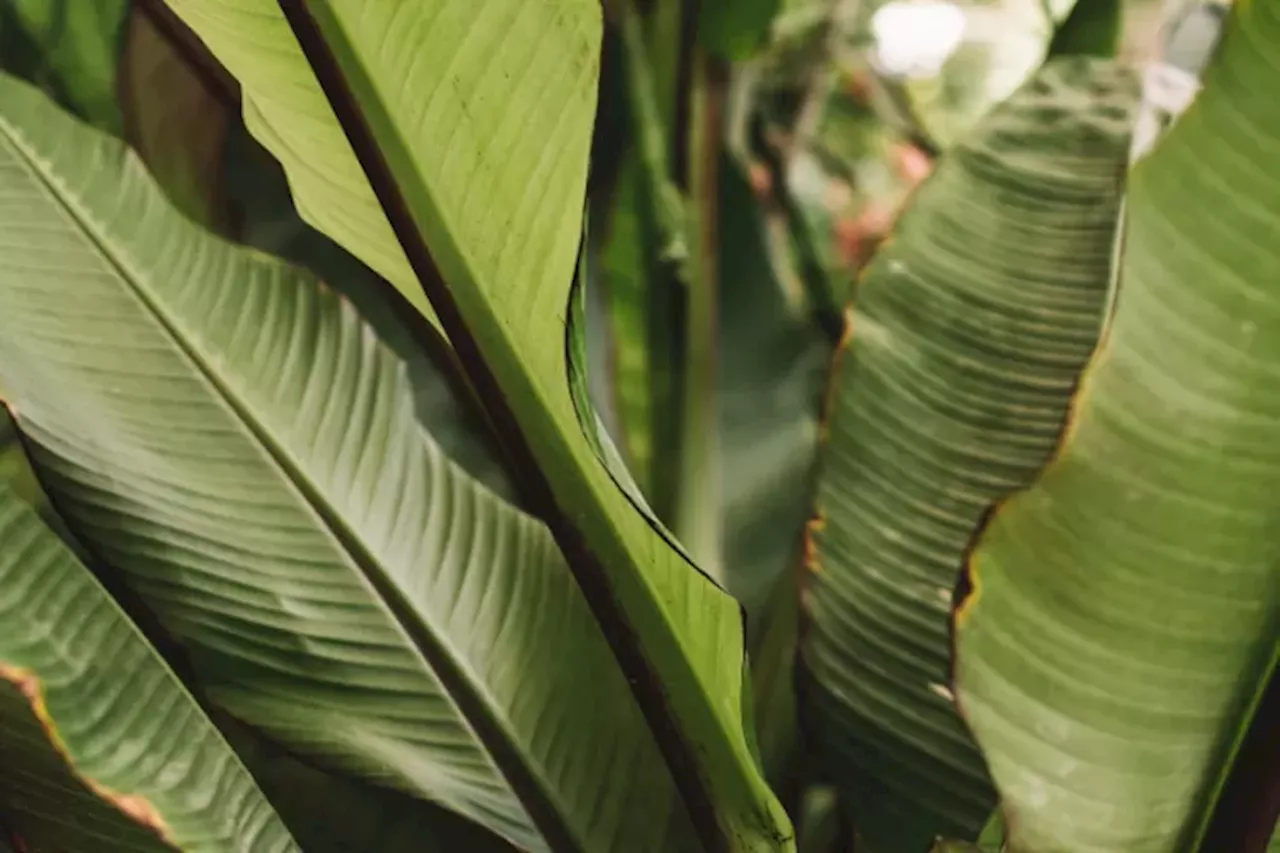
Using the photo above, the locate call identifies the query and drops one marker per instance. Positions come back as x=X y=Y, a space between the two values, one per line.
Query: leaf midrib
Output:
x=472 y=702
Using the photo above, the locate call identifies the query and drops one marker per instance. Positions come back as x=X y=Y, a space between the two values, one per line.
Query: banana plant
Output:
x=964 y=341
x=260 y=590
x=1151 y=502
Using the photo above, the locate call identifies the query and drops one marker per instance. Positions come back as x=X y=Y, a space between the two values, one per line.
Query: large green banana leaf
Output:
x=258 y=192
x=1124 y=618
x=965 y=340
x=227 y=433
x=101 y=746
x=476 y=121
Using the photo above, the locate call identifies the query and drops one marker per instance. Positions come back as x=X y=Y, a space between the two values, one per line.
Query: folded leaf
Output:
x=1124 y=618
x=229 y=435
x=101 y=746
x=965 y=340
x=475 y=120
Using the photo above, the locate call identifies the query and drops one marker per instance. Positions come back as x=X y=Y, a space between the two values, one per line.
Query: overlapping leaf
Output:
x=101 y=746
x=287 y=112
x=232 y=437
x=481 y=117
x=965 y=341
x=1125 y=614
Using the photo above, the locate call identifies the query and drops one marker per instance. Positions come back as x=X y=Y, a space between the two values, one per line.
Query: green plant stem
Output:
x=698 y=510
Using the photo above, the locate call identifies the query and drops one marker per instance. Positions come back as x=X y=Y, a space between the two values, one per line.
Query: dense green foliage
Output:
x=638 y=425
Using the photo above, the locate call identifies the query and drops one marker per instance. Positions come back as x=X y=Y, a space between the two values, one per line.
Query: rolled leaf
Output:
x=475 y=122
x=232 y=437
x=964 y=342
x=101 y=746
x=1124 y=618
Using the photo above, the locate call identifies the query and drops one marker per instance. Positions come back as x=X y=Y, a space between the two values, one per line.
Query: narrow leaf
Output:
x=773 y=362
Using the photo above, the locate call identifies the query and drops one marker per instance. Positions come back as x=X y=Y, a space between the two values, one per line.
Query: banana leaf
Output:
x=1123 y=621
x=258 y=192
x=287 y=112
x=101 y=746
x=474 y=123
x=964 y=342
x=231 y=437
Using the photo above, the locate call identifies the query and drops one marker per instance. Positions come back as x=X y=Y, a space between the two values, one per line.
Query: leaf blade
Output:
x=254 y=466
x=78 y=673
x=516 y=110
x=965 y=339
x=1150 y=557
x=287 y=112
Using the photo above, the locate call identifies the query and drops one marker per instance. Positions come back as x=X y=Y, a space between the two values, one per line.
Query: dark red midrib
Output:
x=588 y=571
